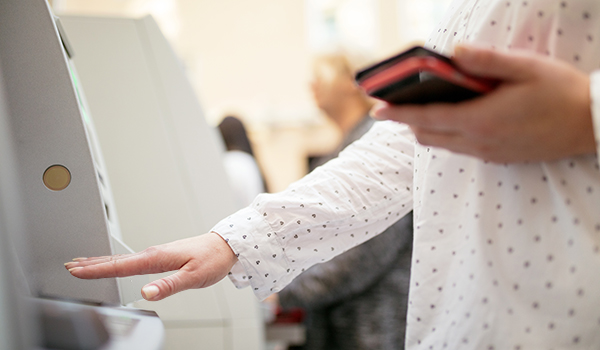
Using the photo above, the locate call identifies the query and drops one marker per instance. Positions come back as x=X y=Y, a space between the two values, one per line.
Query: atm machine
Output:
x=55 y=201
x=28 y=321
x=67 y=197
x=165 y=167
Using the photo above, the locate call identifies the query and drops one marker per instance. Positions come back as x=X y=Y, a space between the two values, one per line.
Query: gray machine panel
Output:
x=15 y=323
x=48 y=127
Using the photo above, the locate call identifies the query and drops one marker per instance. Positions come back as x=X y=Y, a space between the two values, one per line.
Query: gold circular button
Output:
x=57 y=178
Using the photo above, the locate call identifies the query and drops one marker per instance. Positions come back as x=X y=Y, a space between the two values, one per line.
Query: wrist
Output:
x=223 y=248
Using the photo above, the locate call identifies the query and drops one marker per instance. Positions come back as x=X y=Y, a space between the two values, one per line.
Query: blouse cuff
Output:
x=259 y=254
x=595 y=97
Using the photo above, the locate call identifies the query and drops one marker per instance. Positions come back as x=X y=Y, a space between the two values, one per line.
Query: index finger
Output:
x=517 y=65
x=439 y=117
x=151 y=260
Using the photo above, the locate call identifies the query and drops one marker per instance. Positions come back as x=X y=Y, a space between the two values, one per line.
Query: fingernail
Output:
x=460 y=51
x=465 y=52
x=149 y=292
x=376 y=110
x=79 y=259
x=75 y=268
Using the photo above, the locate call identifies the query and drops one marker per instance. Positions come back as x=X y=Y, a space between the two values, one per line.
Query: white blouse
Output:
x=506 y=256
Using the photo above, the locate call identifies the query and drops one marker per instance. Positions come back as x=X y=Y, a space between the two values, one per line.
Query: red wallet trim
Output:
x=414 y=65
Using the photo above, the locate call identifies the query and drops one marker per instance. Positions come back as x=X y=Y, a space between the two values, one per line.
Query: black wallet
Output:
x=420 y=76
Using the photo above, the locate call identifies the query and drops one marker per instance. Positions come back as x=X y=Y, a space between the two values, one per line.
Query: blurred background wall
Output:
x=252 y=59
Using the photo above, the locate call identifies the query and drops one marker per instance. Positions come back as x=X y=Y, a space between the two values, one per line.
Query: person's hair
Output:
x=341 y=63
x=236 y=139
x=235 y=136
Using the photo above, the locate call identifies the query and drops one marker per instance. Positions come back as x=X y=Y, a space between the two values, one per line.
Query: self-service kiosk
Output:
x=55 y=201
x=66 y=194
x=165 y=167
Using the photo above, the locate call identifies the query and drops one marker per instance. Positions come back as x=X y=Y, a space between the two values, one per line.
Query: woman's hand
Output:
x=201 y=262
x=539 y=112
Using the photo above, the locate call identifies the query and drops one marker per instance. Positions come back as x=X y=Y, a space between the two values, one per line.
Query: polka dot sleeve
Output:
x=336 y=207
x=595 y=96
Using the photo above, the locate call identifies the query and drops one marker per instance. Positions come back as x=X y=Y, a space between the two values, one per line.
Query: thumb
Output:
x=493 y=64
x=168 y=286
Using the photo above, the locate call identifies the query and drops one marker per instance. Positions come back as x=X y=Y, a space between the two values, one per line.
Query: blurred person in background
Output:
x=357 y=300
x=244 y=174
